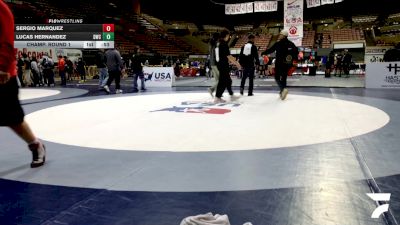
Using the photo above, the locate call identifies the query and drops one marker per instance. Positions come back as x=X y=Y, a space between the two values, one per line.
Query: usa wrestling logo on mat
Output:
x=201 y=108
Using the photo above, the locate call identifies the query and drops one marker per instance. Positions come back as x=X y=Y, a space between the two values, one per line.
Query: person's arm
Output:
x=233 y=61
x=119 y=60
x=270 y=50
x=241 y=55
x=255 y=55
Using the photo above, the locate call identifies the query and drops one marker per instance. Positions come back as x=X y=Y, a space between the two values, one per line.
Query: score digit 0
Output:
x=109 y=28
x=108 y=36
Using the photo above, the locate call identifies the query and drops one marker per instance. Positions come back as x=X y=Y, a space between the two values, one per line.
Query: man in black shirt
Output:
x=137 y=70
x=286 y=52
x=223 y=58
x=248 y=56
x=347 y=59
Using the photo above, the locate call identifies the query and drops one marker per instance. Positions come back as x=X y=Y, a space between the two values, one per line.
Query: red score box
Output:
x=108 y=28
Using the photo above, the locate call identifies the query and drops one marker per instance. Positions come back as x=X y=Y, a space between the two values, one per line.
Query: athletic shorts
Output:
x=11 y=112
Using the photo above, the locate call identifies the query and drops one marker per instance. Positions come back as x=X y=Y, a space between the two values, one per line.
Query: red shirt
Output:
x=7 y=54
x=61 y=64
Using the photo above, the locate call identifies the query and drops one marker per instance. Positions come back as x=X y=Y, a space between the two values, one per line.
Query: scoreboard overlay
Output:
x=77 y=36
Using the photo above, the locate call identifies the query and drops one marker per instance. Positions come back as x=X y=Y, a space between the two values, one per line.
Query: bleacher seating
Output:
x=364 y=19
x=213 y=28
x=308 y=39
x=244 y=28
x=158 y=44
x=341 y=35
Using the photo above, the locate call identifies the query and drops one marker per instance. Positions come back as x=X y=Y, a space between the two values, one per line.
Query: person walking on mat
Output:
x=11 y=113
x=248 y=56
x=286 y=53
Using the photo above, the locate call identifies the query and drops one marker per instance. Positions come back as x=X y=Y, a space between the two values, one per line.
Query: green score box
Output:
x=108 y=36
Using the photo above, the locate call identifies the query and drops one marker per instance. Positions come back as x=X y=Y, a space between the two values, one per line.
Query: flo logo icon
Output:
x=385 y=197
x=201 y=108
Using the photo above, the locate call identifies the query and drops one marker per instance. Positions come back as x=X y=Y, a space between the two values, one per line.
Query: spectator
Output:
x=61 y=70
x=48 y=74
x=213 y=63
x=101 y=63
x=27 y=80
x=329 y=64
x=177 y=69
x=339 y=65
x=20 y=66
x=69 y=67
x=80 y=67
x=35 y=72
x=347 y=60
x=137 y=70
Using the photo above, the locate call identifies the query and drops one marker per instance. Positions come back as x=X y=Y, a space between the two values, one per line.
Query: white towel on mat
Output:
x=206 y=219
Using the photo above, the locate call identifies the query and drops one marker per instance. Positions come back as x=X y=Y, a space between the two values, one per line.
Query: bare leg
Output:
x=37 y=148
x=24 y=131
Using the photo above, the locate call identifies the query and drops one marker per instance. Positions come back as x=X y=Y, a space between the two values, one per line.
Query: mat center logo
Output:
x=201 y=108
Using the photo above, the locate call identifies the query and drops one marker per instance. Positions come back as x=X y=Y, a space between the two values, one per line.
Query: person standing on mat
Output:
x=115 y=66
x=223 y=58
x=137 y=70
x=101 y=63
x=213 y=63
x=248 y=56
x=286 y=52
x=11 y=113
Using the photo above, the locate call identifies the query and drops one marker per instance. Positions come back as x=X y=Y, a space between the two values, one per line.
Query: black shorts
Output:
x=11 y=112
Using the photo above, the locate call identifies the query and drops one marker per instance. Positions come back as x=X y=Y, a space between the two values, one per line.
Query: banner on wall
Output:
x=265 y=6
x=250 y=7
x=270 y=6
x=293 y=18
x=313 y=3
x=159 y=76
x=326 y=2
x=297 y=41
x=383 y=75
x=375 y=54
x=38 y=53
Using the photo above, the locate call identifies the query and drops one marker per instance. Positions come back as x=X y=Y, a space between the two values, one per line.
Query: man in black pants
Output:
x=347 y=59
x=137 y=70
x=286 y=52
x=248 y=55
x=115 y=66
x=223 y=58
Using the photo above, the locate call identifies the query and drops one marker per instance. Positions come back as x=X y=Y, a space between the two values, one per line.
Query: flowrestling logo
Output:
x=201 y=108
x=380 y=197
